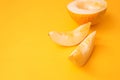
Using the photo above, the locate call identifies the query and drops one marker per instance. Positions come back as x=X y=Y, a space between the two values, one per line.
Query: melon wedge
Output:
x=70 y=38
x=82 y=53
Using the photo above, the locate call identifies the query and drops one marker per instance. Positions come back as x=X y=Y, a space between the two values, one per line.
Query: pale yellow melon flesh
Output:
x=83 y=11
x=70 y=38
x=82 y=53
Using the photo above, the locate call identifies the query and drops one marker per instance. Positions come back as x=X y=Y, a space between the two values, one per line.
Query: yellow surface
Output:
x=27 y=53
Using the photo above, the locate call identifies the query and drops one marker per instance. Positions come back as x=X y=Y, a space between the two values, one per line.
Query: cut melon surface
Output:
x=70 y=38
x=83 y=11
x=83 y=51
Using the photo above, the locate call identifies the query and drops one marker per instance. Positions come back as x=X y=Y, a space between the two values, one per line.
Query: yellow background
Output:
x=27 y=53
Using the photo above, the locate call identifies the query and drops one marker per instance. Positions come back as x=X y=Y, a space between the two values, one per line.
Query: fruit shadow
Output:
x=89 y=67
x=105 y=23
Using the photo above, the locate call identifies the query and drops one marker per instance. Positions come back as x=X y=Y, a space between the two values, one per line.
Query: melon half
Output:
x=83 y=11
